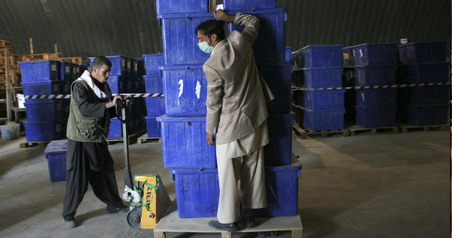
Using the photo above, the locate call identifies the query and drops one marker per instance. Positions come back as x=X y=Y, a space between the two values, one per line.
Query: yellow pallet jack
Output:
x=147 y=191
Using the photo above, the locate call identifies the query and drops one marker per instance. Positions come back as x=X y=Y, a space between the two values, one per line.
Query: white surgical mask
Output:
x=205 y=47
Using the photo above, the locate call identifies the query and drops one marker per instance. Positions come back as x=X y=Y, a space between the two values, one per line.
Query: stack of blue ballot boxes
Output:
x=126 y=77
x=155 y=106
x=423 y=63
x=373 y=65
x=46 y=116
x=56 y=152
x=319 y=104
x=183 y=129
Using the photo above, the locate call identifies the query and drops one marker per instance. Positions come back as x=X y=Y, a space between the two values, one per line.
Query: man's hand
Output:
x=210 y=139
x=222 y=16
x=112 y=103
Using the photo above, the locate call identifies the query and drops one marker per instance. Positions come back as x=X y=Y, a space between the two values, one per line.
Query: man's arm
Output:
x=250 y=22
x=214 y=101
x=87 y=108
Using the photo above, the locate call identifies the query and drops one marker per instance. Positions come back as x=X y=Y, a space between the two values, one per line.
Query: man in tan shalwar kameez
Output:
x=236 y=120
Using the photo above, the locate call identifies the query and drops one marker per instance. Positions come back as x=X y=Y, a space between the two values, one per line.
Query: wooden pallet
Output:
x=407 y=128
x=305 y=133
x=33 y=143
x=358 y=130
x=172 y=223
x=4 y=43
x=38 y=57
x=145 y=139
x=75 y=60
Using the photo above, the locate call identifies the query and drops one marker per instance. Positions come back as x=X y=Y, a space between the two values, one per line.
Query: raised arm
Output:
x=250 y=22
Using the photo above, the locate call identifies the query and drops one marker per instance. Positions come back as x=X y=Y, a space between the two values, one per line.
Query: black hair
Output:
x=210 y=27
x=100 y=61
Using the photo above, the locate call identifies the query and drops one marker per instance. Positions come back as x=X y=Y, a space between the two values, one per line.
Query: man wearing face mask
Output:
x=236 y=120
x=88 y=158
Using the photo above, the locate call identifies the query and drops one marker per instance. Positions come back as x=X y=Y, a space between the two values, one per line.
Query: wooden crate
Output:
x=11 y=61
x=4 y=44
x=38 y=57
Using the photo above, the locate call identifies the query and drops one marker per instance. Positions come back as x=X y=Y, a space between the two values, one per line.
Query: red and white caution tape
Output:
x=67 y=96
x=372 y=87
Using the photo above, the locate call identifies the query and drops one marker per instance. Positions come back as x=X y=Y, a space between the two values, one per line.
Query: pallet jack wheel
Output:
x=134 y=218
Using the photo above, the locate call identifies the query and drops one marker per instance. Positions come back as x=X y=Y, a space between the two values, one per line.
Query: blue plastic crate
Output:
x=375 y=75
x=116 y=127
x=240 y=5
x=45 y=130
x=154 y=84
x=270 y=43
x=56 y=161
x=184 y=143
x=118 y=84
x=45 y=110
x=139 y=107
x=77 y=71
x=155 y=107
x=182 y=6
x=422 y=52
x=279 y=149
x=197 y=192
x=382 y=97
x=39 y=71
x=428 y=73
x=83 y=67
x=139 y=67
x=320 y=77
x=371 y=117
x=428 y=95
x=423 y=115
x=57 y=143
x=43 y=88
x=278 y=78
x=288 y=57
x=282 y=191
x=66 y=70
x=180 y=43
x=138 y=86
x=185 y=89
x=322 y=99
x=315 y=120
x=348 y=56
x=152 y=62
x=131 y=68
x=319 y=56
x=369 y=54
x=152 y=127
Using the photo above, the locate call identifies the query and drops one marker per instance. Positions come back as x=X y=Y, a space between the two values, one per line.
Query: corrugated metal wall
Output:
x=351 y=22
x=130 y=27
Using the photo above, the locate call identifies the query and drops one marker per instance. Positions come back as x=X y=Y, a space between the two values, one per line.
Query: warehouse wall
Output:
x=351 y=22
x=130 y=27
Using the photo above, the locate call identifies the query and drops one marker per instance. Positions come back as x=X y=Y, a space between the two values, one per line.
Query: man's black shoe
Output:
x=112 y=210
x=224 y=227
x=247 y=222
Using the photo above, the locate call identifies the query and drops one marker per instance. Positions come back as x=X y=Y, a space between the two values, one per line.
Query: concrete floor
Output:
x=383 y=185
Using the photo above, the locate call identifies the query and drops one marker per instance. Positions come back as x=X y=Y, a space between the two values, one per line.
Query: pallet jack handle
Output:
x=122 y=107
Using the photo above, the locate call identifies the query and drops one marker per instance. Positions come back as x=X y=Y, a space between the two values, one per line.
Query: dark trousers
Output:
x=81 y=171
